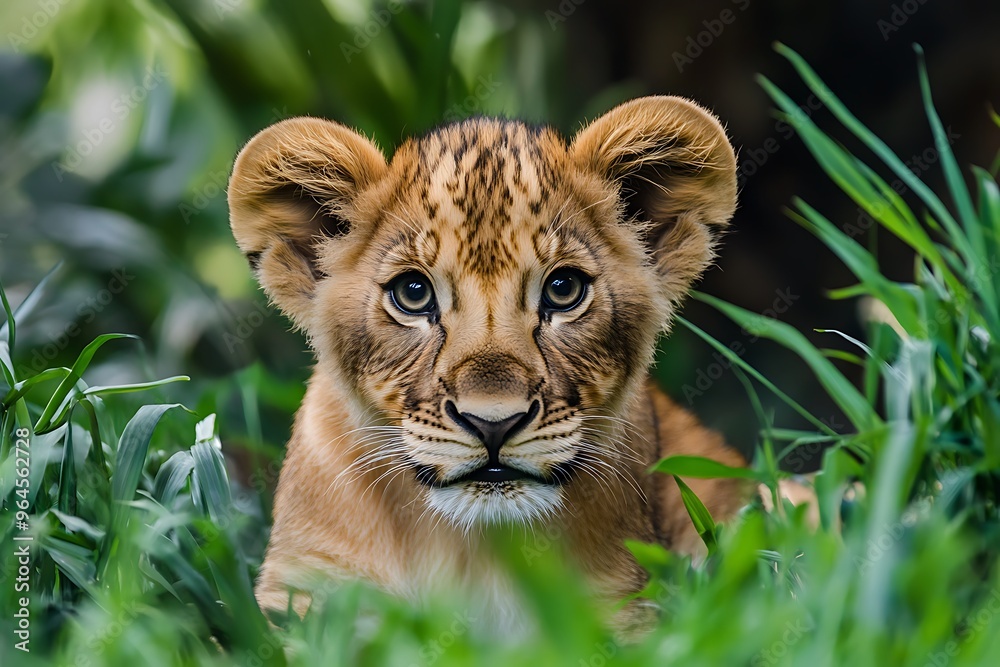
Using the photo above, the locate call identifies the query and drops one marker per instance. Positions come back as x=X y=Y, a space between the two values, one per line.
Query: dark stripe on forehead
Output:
x=494 y=163
x=428 y=246
x=401 y=238
x=585 y=241
x=453 y=287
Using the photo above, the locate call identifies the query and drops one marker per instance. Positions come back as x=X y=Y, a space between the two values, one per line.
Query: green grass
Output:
x=144 y=552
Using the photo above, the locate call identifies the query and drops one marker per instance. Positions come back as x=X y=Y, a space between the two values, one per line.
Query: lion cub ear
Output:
x=293 y=189
x=675 y=172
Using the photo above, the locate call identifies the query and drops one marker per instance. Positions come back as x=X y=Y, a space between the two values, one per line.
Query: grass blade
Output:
x=22 y=387
x=737 y=360
x=700 y=467
x=96 y=452
x=877 y=146
x=209 y=475
x=953 y=175
x=131 y=388
x=132 y=449
x=171 y=477
x=700 y=516
x=847 y=397
x=67 y=475
x=45 y=420
x=8 y=329
x=862 y=265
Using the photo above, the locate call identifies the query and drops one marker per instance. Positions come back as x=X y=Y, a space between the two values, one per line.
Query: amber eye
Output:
x=411 y=292
x=564 y=289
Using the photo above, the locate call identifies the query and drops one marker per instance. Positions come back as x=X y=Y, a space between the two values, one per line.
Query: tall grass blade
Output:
x=877 y=146
x=846 y=396
x=132 y=450
x=700 y=516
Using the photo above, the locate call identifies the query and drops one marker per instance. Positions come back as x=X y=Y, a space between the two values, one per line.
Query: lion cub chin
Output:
x=483 y=309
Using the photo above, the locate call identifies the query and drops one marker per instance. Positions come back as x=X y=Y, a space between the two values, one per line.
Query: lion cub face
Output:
x=489 y=299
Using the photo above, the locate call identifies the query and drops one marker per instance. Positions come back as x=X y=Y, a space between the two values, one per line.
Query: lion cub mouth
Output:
x=497 y=473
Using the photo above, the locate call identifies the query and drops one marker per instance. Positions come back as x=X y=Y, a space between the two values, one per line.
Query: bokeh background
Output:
x=119 y=121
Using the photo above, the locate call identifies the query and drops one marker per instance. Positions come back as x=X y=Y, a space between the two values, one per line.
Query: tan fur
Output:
x=486 y=209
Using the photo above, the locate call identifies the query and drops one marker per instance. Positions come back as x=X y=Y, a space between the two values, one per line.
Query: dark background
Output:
x=147 y=199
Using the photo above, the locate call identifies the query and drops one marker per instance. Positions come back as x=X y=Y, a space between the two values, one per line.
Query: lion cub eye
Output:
x=564 y=289
x=411 y=292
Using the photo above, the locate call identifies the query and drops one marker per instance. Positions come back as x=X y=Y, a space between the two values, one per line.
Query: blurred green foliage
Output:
x=118 y=122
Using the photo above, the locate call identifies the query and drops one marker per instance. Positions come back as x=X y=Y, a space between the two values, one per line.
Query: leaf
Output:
x=862 y=264
x=171 y=477
x=21 y=388
x=132 y=449
x=212 y=482
x=131 y=388
x=989 y=214
x=45 y=422
x=952 y=173
x=700 y=516
x=8 y=329
x=6 y=363
x=649 y=556
x=67 y=475
x=75 y=561
x=701 y=468
x=96 y=452
x=77 y=525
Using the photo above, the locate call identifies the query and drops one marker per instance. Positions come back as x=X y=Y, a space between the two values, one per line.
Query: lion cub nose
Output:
x=493 y=434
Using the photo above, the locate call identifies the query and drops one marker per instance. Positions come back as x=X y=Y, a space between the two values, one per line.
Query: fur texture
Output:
x=485 y=212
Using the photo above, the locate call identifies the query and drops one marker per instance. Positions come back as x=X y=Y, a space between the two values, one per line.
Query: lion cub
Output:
x=483 y=308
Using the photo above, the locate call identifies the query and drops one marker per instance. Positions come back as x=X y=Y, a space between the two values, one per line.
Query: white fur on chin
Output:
x=469 y=504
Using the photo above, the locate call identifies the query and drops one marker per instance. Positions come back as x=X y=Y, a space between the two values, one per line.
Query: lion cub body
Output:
x=483 y=309
x=378 y=529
